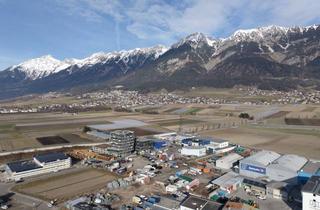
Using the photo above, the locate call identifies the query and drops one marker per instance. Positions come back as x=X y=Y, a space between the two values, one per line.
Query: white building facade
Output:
x=311 y=194
x=40 y=164
x=193 y=151
x=255 y=166
x=228 y=161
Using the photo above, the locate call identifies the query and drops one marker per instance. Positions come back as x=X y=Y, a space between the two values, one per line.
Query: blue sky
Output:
x=78 y=28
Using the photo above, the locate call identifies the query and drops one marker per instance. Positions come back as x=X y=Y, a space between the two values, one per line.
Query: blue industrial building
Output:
x=159 y=144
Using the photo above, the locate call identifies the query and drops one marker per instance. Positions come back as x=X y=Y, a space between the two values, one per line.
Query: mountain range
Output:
x=270 y=57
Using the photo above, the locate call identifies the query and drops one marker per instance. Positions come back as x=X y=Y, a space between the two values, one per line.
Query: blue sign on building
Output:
x=253 y=168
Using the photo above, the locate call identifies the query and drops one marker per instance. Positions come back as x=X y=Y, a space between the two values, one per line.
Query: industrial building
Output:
x=122 y=143
x=144 y=144
x=286 y=168
x=195 y=142
x=310 y=169
x=194 y=151
x=256 y=165
x=228 y=182
x=197 y=203
x=159 y=144
x=216 y=144
x=311 y=194
x=40 y=164
x=99 y=134
x=228 y=161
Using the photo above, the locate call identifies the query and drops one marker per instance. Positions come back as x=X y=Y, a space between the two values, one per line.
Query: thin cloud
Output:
x=166 y=21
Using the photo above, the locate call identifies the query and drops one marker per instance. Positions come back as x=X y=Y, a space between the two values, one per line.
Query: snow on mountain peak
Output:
x=268 y=31
x=194 y=40
x=258 y=33
x=39 y=67
x=124 y=55
x=156 y=51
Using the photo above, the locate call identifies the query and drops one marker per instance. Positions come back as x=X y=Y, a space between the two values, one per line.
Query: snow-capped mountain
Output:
x=195 y=40
x=273 y=31
x=44 y=66
x=122 y=56
x=271 y=57
x=41 y=67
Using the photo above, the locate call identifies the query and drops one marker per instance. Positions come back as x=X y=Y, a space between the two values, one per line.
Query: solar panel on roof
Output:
x=20 y=166
x=47 y=158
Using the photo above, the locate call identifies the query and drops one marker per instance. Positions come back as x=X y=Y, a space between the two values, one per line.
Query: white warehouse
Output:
x=193 y=151
x=217 y=144
x=40 y=164
x=255 y=166
x=286 y=168
x=228 y=161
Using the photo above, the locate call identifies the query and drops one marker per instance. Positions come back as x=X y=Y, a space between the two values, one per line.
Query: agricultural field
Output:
x=303 y=142
x=67 y=185
x=269 y=129
x=232 y=94
x=182 y=121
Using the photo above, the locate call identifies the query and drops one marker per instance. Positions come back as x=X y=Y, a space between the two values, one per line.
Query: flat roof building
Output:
x=166 y=204
x=311 y=194
x=122 y=143
x=197 y=151
x=308 y=170
x=216 y=144
x=50 y=157
x=229 y=182
x=40 y=164
x=228 y=161
x=255 y=165
x=286 y=168
x=197 y=203
x=22 y=166
x=144 y=144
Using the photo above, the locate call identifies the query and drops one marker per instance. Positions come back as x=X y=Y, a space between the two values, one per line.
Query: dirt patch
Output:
x=302 y=121
x=137 y=189
x=277 y=115
x=62 y=139
x=66 y=186
x=74 y=138
x=171 y=110
x=177 y=122
x=309 y=109
x=52 y=140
